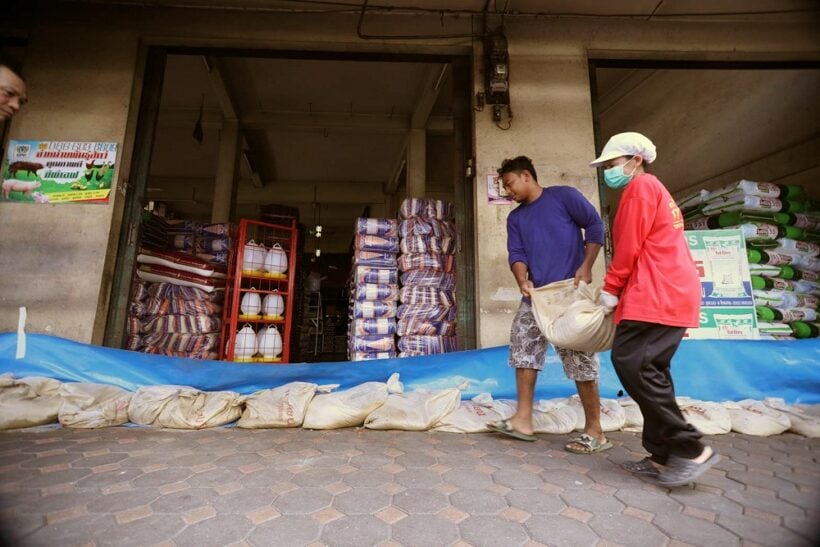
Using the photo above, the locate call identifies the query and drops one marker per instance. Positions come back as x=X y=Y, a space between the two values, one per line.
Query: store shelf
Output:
x=241 y=282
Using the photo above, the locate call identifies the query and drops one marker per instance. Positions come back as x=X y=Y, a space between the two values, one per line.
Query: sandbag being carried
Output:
x=571 y=317
x=183 y=407
x=470 y=416
x=752 y=417
x=415 y=411
x=802 y=423
x=283 y=406
x=93 y=405
x=708 y=418
x=613 y=416
x=27 y=402
x=351 y=407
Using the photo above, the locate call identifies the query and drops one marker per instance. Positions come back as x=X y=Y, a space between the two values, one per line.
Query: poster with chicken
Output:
x=58 y=171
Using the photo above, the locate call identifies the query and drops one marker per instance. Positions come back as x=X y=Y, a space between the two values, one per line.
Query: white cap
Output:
x=626 y=144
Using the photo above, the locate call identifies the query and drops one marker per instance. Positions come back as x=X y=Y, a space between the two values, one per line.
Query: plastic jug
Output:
x=273 y=306
x=276 y=261
x=251 y=304
x=253 y=257
x=245 y=345
x=269 y=342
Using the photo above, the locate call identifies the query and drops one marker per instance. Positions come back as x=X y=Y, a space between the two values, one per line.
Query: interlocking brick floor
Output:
x=227 y=486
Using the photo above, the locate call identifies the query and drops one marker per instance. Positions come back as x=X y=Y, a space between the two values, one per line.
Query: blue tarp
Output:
x=711 y=370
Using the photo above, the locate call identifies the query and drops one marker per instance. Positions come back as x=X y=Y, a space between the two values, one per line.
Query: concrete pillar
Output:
x=229 y=141
x=416 y=163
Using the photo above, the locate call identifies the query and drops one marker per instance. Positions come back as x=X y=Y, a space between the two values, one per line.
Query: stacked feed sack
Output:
x=427 y=314
x=782 y=230
x=373 y=290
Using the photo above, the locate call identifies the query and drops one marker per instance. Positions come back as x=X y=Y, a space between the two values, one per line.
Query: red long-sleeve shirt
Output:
x=652 y=270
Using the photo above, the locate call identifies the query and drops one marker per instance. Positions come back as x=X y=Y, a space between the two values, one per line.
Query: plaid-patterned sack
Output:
x=189 y=343
x=419 y=326
x=138 y=309
x=372 y=344
x=374 y=258
x=364 y=327
x=177 y=300
x=133 y=342
x=426 y=207
x=389 y=244
x=366 y=356
x=372 y=274
x=425 y=244
x=427 y=295
x=182 y=242
x=213 y=244
x=134 y=325
x=429 y=227
x=426 y=312
x=365 y=310
x=437 y=262
x=204 y=354
x=373 y=292
x=403 y=354
x=186 y=324
x=219 y=229
x=429 y=278
x=428 y=345
x=139 y=291
x=377 y=226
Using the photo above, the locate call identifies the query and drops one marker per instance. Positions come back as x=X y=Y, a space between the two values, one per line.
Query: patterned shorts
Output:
x=528 y=348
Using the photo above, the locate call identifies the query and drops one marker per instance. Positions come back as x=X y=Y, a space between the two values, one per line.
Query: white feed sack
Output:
x=553 y=416
x=27 y=402
x=414 y=411
x=283 y=406
x=149 y=401
x=571 y=317
x=93 y=405
x=195 y=409
x=351 y=407
x=752 y=417
x=633 y=415
x=613 y=416
x=802 y=422
x=468 y=417
x=707 y=417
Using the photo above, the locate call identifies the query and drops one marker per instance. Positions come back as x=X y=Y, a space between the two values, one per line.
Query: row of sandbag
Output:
x=35 y=401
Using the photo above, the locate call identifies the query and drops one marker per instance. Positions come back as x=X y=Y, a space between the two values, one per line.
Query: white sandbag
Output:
x=752 y=417
x=632 y=413
x=26 y=402
x=571 y=317
x=802 y=422
x=93 y=405
x=553 y=416
x=505 y=408
x=351 y=407
x=191 y=408
x=470 y=416
x=613 y=416
x=283 y=406
x=147 y=403
x=707 y=417
x=414 y=411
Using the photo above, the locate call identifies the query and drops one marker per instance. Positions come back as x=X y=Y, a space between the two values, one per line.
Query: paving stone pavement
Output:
x=228 y=486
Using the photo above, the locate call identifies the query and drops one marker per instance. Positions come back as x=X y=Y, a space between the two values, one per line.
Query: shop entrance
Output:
x=317 y=137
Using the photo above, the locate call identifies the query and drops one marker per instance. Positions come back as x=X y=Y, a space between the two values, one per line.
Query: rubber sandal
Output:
x=592 y=445
x=643 y=467
x=680 y=471
x=504 y=427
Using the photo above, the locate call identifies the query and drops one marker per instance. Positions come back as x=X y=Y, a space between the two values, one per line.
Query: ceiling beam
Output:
x=428 y=95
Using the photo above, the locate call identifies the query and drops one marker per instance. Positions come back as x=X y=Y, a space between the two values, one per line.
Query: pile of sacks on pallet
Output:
x=33 y=401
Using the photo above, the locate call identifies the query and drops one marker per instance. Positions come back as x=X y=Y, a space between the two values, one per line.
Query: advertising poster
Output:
x=495 y=191
x=727 y=310
x=58 y=171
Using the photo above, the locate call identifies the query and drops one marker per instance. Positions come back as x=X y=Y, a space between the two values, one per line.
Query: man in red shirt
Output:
x=653 y=286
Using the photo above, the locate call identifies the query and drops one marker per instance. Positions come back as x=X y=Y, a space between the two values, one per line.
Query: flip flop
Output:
x=643 y=467
x=504 y=427
x=680 y=471
x=592 y=445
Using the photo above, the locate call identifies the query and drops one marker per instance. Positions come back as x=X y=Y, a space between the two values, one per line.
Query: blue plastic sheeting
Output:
x=704 y=369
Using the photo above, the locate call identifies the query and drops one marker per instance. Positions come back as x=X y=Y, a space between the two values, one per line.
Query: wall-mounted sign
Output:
x=58 y=171
x=495 y=191
x=727 y=309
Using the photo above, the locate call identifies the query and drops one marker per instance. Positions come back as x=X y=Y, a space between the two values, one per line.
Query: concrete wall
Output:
x=82 y=71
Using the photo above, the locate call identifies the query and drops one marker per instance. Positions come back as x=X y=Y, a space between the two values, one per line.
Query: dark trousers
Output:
x=642 y=355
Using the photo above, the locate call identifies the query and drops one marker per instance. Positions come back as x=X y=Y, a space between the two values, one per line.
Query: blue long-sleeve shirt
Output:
x=546 y=234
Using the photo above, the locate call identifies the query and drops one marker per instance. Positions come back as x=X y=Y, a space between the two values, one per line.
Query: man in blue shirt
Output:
x=545 y=244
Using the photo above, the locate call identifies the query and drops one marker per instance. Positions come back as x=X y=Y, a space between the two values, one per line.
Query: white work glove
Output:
x=609 y=301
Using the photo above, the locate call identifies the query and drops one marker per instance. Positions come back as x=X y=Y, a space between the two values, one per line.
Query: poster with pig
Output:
x=58 y=171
